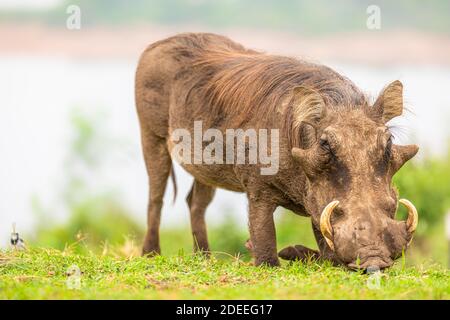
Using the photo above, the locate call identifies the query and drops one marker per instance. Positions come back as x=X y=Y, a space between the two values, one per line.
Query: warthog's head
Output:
x=349 y=159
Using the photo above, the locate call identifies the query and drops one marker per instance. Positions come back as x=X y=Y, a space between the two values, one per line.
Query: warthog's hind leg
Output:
x=159 y=164
x=198 y=200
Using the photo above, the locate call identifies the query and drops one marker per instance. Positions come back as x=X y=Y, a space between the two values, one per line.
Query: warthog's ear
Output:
x=307 y=108
x=389 y=103
x=402 y=154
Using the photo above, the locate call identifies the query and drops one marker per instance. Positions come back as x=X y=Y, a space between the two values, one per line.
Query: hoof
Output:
x=150 y=252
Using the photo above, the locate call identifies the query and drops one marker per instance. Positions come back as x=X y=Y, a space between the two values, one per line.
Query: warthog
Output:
x=335 y=150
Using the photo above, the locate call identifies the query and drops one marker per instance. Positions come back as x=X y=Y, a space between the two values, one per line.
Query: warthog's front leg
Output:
x=292 y=253
x=299 y=253
x=262 y=232
x=303 y=254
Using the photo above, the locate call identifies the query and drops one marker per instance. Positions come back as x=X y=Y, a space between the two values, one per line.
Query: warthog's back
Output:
x=161 y=64
x=210 y=73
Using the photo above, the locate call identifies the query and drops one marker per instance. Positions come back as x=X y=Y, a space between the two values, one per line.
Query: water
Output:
x=37 y=95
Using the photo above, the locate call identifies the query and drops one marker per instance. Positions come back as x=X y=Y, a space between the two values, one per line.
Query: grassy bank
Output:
x=48 y=274
x=101 y=239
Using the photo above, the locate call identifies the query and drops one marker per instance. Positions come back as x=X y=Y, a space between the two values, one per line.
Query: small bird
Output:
x=73 y=274
x=17 y=243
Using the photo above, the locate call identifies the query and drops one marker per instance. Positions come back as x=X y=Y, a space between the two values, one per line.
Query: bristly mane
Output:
x=237 y=81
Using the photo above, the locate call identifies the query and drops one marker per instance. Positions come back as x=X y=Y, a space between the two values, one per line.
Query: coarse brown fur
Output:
x=333 y=144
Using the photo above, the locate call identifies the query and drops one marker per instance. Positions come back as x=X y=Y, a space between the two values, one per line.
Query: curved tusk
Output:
x=413 y=216
x=325 y=223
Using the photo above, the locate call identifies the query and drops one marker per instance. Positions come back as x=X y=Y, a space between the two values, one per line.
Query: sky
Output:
x=27 y=4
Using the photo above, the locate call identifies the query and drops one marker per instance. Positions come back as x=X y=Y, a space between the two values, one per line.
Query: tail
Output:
x=174 y=182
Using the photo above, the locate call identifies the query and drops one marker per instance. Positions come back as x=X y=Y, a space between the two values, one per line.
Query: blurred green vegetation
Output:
x=427 y=184
x=99 y=222
x=308 y=17
x=94 y=218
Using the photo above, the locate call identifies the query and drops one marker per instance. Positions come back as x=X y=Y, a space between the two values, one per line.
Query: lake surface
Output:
x=38 y=94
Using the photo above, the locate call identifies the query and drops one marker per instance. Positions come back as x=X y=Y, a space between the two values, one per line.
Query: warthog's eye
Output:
x=389 y=142
x=325 y=145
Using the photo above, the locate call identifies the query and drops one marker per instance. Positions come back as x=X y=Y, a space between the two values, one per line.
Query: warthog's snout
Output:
x=372 y=239
x=373 y=257
x=372 y=263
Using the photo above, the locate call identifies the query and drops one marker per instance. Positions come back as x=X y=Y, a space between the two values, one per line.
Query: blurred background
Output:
x=71 y=168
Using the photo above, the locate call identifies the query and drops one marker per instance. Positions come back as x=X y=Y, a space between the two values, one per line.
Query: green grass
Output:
x=41 y=274
x=101 y=239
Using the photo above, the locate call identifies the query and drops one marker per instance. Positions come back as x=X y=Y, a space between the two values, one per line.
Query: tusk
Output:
x=413 y=216
x=325 y=223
